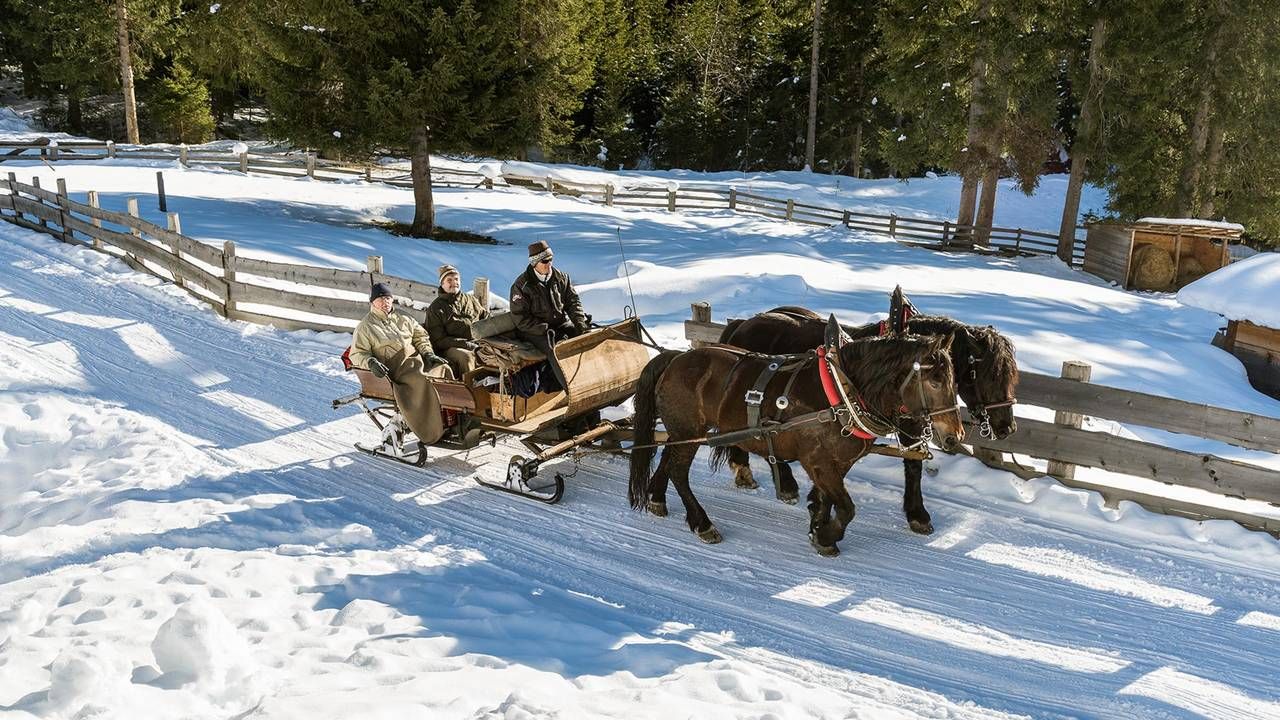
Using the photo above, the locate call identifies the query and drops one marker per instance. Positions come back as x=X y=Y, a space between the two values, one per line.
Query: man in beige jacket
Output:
x=393 y=345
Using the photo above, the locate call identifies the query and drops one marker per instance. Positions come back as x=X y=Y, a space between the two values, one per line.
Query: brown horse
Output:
x=894 y=380
x=986 y=377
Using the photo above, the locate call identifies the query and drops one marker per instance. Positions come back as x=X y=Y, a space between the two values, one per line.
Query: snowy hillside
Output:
x=186 y=531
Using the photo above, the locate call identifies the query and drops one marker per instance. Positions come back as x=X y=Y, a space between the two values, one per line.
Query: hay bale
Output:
x=1153 y=267
x=1190 y=271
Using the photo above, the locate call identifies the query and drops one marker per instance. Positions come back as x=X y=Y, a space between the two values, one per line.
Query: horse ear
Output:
x=832 y=334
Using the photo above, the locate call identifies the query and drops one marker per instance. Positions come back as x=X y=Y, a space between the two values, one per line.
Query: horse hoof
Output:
x=921 y=527
x=824 y=550
x=789 y=498
x=657 y=508
x=745 y=481
x=710 y=536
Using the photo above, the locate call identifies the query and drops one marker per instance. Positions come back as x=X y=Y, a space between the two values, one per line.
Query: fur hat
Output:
x=379 y=290
x=446 y=271
x=539 y=251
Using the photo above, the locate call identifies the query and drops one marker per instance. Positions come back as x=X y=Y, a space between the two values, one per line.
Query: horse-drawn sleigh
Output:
x=797 y=389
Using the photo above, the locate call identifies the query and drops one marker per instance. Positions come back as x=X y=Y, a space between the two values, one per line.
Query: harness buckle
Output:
x=755 y=397
x=782 y=402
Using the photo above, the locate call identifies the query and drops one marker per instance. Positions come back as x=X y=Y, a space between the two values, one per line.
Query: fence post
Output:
x=701 y=314
x=244 y=162
x=53 y=152
x=893 y=225
x=164 y=204
x=733 y=199
x=488 y=183
x=844 y=218
x=548 y=185
x=182 y=155
x=97 y=222
x=480 y=288
x=67 y=233
x=1017 y=241
x=35 y=182
x=373 y=264
x=791 y=208
x=175 y=225
x=311 y=165
x=13 y=190
x=946 y=232
x=229 y=276
x=368 y=173
x=671 y=200
x=1081 y=372
x=132 y=204
x=608 y=194
x=111 y=148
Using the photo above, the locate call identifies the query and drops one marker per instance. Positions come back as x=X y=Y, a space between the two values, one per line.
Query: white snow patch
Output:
x=1207 y=698
x=1245 y=290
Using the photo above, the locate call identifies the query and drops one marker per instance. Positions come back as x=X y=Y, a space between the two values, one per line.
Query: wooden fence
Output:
x=936 y=234
x=1065 y=445
x=287 y=295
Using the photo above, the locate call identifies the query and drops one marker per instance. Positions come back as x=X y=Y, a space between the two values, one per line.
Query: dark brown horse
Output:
x=895 y=379
x=986 y=377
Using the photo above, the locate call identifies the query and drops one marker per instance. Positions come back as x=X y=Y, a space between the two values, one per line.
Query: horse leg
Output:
x=913 y=499
x=819 y=509
x=699 y=523
x=657 y=503
x=785 y=487
x=828 y=532
x=739 y=462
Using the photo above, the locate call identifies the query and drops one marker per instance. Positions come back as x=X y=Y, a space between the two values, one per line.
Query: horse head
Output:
x=988 y=380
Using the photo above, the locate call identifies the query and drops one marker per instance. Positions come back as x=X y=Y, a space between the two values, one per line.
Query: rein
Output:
x=980 y=410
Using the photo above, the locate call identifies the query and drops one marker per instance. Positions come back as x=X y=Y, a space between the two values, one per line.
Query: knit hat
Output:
x=446 y=271
x=539 y=251
x=379 y=290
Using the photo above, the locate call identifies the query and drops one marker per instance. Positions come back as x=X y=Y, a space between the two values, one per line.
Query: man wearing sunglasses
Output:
x=546 y=307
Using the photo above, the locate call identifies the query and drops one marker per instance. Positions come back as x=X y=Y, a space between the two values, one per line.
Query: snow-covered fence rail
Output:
x=287 y=295
x=1065 y=445
x=925 y=232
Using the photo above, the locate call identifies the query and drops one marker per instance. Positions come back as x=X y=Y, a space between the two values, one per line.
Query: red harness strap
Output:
x=833 y=396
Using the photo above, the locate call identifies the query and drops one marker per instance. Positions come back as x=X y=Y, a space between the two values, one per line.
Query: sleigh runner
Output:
x=601 y=369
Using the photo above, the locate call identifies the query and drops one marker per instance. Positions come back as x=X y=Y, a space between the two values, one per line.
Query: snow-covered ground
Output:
x=185 y=530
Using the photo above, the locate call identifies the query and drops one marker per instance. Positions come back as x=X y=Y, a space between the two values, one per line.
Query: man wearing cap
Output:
x=392 y=345
x=545 y=305
x=449 y=320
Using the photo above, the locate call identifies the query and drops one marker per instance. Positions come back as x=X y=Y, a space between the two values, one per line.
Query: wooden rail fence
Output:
x=1066 y=446
x=287 y=295
x=925 y=232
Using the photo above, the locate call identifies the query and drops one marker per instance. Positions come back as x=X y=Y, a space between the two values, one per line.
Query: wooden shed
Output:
x=1186 y=250
x=1245 y=294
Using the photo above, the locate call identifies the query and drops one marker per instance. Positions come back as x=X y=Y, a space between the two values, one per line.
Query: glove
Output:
x=378 y=368
x=581 y=327
x=432 y=360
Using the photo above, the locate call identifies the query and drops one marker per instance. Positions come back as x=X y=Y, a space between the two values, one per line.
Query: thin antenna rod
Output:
x=627 y=271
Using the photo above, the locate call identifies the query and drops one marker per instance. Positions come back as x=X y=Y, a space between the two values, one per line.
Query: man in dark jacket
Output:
x=449 y=320
x=545 y=305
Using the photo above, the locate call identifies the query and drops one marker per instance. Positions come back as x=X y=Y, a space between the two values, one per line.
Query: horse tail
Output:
x=719 y=455
x=646 y=401
x=729 y=330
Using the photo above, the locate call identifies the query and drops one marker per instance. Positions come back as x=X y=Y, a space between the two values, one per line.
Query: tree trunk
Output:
x=857 y=150
x=126 y=74
x=812 y=131
x=987 y=202
x=1084 y=143
x=75 y=114
x=424 y=209
x=973 y=137
x=1212 y=166
x=1189 y=178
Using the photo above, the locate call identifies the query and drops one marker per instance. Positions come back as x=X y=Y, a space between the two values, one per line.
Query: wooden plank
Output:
x=702 y=332
x=333 y=307
x=118 y=218
x=287 y=323
x=412 y=289
x=207 y=254
x=38 y=192
x=1134 y=457
x=761 y=198
x=1248 y=430
x=33 y=207
x=34 y=226
x=352 y=280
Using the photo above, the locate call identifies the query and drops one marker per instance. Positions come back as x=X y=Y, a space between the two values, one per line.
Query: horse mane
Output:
x=997 y=353
x=878 y=365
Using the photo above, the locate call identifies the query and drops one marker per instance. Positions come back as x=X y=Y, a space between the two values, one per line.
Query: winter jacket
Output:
x=539 y=305
x=449 y=319
x=382 y=335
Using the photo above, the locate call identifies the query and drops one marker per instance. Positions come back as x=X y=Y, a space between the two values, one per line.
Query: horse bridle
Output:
x=979 y=411
x=855 y=410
